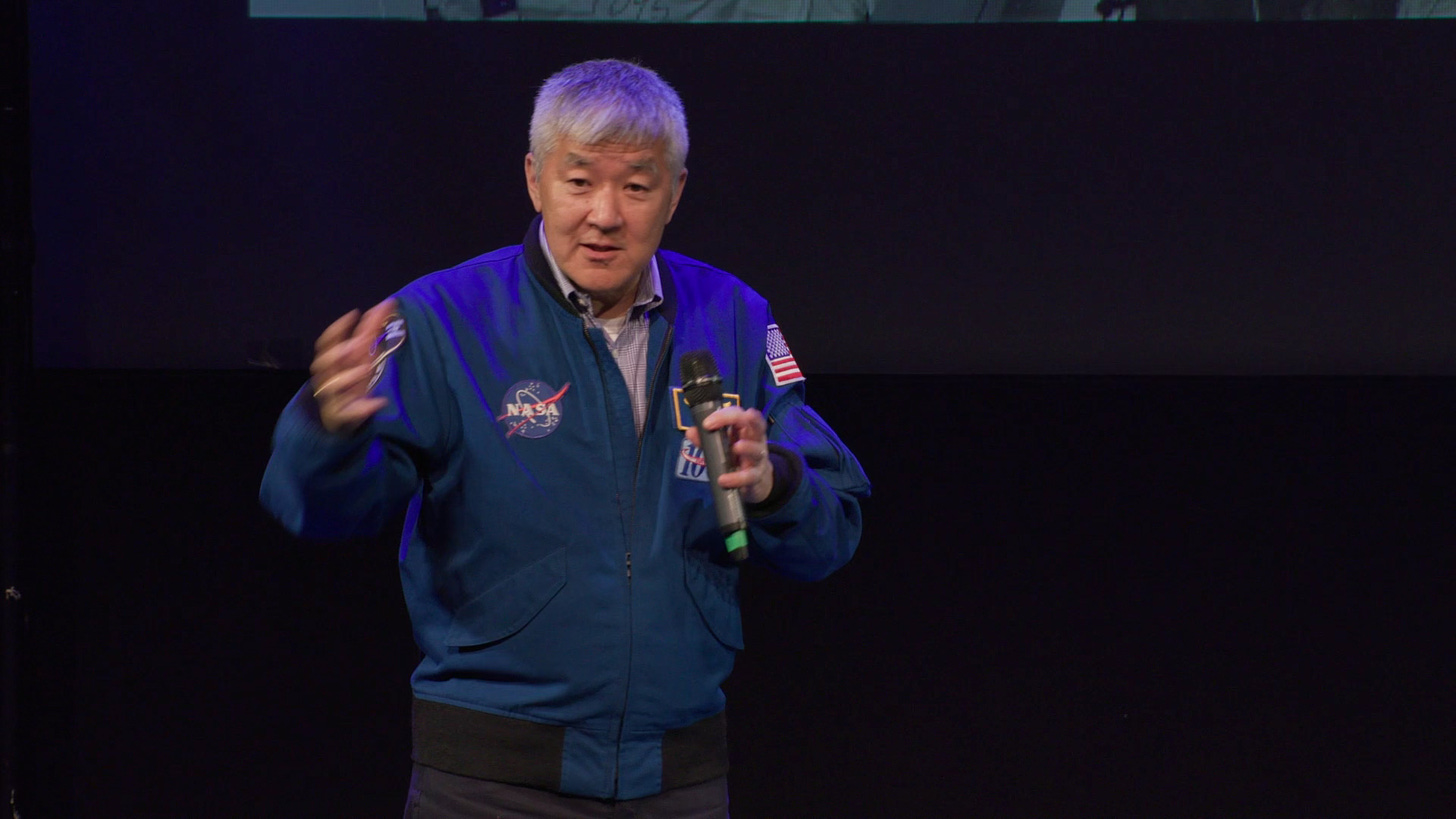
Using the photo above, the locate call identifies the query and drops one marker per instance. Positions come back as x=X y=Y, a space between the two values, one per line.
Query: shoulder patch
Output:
x=780 y=360
x=387 y=345
x=692 y=465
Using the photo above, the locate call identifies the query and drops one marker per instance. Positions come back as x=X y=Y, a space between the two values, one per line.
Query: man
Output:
x=562 y=563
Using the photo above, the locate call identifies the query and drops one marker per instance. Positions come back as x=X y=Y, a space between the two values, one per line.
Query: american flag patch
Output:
x=780 y=360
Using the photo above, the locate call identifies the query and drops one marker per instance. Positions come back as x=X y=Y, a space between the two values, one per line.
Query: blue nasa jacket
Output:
x=566 y=580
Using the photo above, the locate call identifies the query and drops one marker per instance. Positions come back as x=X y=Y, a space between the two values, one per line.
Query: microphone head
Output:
x=701 y=381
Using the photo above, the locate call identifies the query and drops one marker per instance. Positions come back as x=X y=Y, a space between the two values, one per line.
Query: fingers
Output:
x=343 y=381
x=352 y=326
x=752 y=470
x=338 y=368
x=343 y=367
x=334 y=359
x=743 y=423
x=341 y=329
x=343 y=398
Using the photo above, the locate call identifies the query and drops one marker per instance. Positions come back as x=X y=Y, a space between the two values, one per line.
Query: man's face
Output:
x=604 y=208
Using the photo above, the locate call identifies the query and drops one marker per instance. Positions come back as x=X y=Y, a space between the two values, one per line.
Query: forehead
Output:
x=610 y=157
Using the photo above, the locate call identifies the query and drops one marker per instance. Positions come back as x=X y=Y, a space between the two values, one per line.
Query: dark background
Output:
x=1083 y=198
x=1137 y=329
x=1076 y=596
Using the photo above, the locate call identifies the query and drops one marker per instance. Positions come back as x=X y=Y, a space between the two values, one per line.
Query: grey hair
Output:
x=609 y=101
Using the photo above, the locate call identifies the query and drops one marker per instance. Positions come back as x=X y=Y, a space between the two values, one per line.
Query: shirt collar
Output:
x=649 y=287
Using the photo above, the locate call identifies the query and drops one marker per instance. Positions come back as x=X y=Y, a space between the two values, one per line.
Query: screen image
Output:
x=857 y=11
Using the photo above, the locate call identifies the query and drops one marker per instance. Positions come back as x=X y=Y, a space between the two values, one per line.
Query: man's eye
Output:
x=636 y=188
x=577 y=182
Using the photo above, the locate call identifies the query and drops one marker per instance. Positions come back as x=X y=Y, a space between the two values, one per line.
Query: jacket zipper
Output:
x=631 y=522
x=642 y=437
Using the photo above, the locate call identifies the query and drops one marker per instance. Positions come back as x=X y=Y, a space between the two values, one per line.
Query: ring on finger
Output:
x=327 y=383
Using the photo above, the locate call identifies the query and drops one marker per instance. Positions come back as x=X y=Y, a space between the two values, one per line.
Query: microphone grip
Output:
x=732 y=520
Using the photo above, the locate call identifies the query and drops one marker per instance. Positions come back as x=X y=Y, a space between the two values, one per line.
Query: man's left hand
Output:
x=752 y=474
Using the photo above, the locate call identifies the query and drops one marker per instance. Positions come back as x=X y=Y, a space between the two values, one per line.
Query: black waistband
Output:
x=520 y=752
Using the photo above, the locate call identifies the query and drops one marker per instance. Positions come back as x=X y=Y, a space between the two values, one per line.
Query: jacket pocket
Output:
x=506 y=607
x=714 y=588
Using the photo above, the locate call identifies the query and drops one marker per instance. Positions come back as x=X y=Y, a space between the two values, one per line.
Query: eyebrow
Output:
x=575 y=160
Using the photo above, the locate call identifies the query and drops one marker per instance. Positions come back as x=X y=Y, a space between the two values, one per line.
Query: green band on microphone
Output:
x=737 y=542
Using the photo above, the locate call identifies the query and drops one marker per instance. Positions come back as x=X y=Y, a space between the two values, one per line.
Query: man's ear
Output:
x=677 y=190
x=533 y=181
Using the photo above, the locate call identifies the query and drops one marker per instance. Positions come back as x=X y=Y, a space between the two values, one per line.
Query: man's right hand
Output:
x=343 y=367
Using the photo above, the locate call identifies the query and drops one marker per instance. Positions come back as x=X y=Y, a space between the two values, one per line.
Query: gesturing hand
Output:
x=342 y=367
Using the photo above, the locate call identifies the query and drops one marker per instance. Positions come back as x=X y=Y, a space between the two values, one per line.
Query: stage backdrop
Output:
x=1137 y=197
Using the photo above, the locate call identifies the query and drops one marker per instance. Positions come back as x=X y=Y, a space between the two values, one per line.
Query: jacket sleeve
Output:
x=325 y=485
x=811 y=524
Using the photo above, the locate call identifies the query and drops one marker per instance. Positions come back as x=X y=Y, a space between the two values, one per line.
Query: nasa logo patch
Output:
x=691 y=464
x=531 y=409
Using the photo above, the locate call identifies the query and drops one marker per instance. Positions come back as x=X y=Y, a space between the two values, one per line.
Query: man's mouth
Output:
x=599 y=248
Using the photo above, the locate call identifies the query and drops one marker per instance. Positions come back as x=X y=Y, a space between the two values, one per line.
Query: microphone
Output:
x=703 y=388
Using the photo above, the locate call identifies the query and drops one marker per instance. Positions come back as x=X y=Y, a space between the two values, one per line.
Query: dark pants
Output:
x=438 y=795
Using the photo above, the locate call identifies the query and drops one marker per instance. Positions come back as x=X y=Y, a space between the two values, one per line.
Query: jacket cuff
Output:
x=788 y=472
x=304 y=432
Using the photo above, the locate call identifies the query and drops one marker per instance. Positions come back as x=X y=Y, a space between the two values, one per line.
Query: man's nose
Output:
x=606 y=211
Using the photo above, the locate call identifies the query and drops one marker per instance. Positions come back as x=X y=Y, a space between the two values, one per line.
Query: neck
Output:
x=618 y=302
